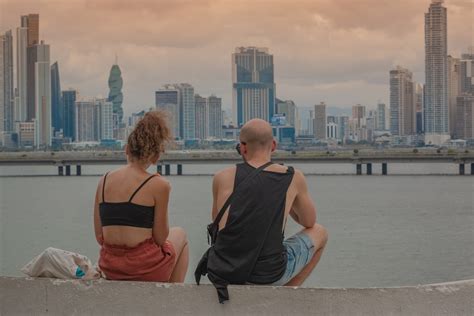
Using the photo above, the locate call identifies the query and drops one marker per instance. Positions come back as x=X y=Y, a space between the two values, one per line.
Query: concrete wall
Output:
x=67 y=297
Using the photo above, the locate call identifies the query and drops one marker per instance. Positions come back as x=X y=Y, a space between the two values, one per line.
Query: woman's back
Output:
x=127 y=206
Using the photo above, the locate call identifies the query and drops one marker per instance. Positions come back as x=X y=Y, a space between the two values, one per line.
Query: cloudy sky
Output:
x=337 y=51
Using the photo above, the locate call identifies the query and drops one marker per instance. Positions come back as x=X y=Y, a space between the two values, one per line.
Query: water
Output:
x=383 y=230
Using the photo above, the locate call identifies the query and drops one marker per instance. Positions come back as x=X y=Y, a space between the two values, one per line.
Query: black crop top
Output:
x=126 y=213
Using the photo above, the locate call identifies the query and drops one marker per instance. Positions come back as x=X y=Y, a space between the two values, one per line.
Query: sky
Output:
x=336 y=51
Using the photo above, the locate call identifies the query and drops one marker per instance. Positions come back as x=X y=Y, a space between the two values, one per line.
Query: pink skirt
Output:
x=145 y=262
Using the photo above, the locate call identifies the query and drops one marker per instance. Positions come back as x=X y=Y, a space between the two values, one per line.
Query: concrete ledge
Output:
x=66 y=297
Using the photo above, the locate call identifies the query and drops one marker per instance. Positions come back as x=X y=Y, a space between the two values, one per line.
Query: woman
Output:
x=131 y=213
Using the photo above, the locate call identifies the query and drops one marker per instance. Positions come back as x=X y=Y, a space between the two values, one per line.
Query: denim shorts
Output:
x=300 y=250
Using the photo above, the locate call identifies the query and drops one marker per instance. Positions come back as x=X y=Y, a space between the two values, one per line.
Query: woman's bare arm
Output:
x=97 y=225
x=162 y=189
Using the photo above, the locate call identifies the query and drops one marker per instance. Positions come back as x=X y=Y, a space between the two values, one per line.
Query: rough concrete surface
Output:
x=20 y=296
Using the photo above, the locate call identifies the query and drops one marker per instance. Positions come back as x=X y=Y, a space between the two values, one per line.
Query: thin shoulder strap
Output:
x=103 y=187
x=229 y=199
x=141 y=186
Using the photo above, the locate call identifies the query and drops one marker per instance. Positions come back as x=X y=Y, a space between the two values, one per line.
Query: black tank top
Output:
x=126 y=213
x=250 y=246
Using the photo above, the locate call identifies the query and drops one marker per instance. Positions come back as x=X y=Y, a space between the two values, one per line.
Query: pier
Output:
x=177 y=160
x=72 y=297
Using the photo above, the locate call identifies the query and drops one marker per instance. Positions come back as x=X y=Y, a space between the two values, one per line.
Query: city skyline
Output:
x=312 y=61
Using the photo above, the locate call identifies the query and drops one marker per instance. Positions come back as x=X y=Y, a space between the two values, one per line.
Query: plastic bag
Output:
x=61 y=264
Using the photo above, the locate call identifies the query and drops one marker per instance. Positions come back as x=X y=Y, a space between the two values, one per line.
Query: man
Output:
x=249 y=248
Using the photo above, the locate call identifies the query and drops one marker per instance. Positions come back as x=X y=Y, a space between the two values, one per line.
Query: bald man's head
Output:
x=257 y=134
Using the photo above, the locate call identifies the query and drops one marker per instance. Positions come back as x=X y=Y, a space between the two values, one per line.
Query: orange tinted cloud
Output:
x=339 y=51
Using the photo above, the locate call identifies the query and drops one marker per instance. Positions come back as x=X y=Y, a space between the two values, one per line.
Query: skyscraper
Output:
x=31 y=21
x=69 y=105
x=436 y=72
x=167 y=99
x=419 y=96
x=358 y=115
x=466 y=72
x=202 y=117
x=381 y=110
x=21 y=99
x=253 y=84
x=288 y=108
x=454 y=90
x=87 y=121
x=188 y=111
x=402 y=102
x=216 y=119
x=56 y=107
x=42 y=112
x=6 y=82
x=319 y=123
x=115 y=93
x=106 y=128
x=465 y=116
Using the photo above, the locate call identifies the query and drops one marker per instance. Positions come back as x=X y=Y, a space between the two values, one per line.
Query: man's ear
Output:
x=274 y=145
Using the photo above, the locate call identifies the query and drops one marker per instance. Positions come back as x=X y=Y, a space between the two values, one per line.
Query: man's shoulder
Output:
x=225 y=173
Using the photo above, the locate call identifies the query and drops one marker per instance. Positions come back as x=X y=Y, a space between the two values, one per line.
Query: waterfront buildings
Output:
x=436 y=107
x=21 y=94
x=42 y=93
x=319 y=123
x=287 y=108
x=402 y=102
x=202 y=117
x=69 y=98
x=178 y=100
x=381 y=114
x=115 y=93
x=253 y=84
x=6 y=83
x=465 y=116
x=168 y=99
x=94 y=120
x=56 y=105
x=216 y=117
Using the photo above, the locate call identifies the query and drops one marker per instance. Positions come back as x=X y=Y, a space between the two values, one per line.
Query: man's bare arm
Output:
x=303 y=210
x=215 y=186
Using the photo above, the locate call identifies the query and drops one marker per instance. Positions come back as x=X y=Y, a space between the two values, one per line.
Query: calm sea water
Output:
x=384 y=230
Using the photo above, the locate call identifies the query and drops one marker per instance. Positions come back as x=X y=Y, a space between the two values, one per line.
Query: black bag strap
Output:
x=229 y=200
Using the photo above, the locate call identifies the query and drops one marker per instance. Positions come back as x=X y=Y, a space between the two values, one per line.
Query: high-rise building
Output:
x=358 y=115
x=402 y=102
x=216 y=119
x=319 y=122
x=288 y=108
x=21 y=99
x=454 y=90
x=56 y=105
x=253 y=85
x=42 y=111
x=168 y=99
x=465 y=116
x=31 y=21
x=106 y=127
x=202 y=117
x=436 y=107
x=419 y=99
x=26 y=133
x=87 y=121
x=69 y=98
x=466 y=72
x=115 y=92
x=7 y=97
x=178 y=99
x=381 y=114
x=332 y=130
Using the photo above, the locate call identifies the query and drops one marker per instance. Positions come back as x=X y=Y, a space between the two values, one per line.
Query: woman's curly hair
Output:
x=150 y=136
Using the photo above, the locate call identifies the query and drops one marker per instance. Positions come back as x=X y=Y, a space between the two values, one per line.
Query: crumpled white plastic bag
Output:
x=61 y=264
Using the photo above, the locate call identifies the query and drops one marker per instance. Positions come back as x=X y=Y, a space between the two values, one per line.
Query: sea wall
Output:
x=68 y=297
